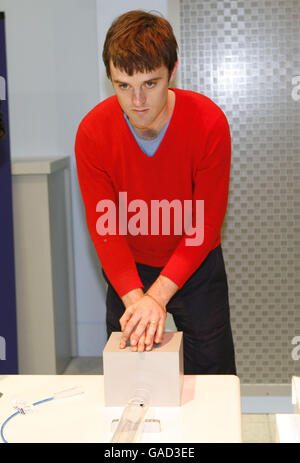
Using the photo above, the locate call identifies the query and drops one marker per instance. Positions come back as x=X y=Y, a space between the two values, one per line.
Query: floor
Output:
x=255 y=428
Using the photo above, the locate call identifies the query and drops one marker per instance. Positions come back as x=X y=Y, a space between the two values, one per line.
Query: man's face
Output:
x=142 y=96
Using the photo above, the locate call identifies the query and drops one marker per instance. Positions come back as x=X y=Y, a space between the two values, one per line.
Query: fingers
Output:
x=123 y=322
x=139 y=331
x=144 y=336
x=154 y=334
x=159 y=333
x=125 y=318
x=152 y=327
x=146 y=339
x=141 y=343
x=128 y=331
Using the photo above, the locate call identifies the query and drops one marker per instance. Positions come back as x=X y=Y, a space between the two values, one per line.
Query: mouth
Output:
x=140 y=111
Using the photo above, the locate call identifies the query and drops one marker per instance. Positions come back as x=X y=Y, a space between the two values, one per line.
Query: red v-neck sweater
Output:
x=192 y=162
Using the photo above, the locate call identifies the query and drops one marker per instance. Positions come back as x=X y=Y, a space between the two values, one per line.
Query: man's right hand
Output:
x=142 y=332
x=144 y=323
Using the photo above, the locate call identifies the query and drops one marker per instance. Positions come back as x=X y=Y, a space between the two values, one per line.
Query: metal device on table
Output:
x=149 y=379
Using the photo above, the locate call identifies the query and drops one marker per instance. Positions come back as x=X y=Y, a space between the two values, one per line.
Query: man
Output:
x=151 y=144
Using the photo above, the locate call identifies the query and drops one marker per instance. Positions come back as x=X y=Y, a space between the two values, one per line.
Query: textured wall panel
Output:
x=243 y=55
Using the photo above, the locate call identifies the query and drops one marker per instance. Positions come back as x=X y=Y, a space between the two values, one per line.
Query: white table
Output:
x=210 y=411
x=288 y=428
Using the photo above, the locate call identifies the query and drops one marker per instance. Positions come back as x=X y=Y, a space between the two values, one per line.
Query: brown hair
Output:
x=138 y=41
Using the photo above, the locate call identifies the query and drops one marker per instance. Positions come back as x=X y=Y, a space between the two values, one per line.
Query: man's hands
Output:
x=147 y=318
x=144 y=318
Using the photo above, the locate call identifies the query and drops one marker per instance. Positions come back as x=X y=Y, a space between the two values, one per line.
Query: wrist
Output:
x=132 y=297
x=162 y=290
x=157 y=302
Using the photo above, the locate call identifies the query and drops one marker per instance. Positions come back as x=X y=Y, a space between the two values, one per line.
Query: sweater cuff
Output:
x=127 y=283
x=124 y=282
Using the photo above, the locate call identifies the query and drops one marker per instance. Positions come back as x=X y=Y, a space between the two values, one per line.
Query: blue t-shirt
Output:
x=149 y=147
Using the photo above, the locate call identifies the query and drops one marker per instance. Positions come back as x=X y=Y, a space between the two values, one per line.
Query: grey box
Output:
x=159 y=371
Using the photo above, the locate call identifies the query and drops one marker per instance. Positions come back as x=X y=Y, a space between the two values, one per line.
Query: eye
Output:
x=123 y=86
x=150 y=84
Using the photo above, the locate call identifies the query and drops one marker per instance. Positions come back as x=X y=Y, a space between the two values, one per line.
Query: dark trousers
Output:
x=200 y=310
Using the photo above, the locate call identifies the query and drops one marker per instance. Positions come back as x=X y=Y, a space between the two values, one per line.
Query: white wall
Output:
x=55 y=76
x=53 y=81
x=52 y=72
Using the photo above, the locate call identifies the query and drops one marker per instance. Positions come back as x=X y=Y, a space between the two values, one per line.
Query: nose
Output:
x=138 y=98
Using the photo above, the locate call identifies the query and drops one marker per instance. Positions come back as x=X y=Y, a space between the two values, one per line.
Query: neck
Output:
x=149 y=133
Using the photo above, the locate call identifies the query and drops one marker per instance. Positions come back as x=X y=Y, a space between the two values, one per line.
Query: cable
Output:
x=58 y=395
x=19 y=413
x=5 y=423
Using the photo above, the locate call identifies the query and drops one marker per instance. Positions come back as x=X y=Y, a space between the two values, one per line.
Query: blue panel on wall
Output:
x=8 y=331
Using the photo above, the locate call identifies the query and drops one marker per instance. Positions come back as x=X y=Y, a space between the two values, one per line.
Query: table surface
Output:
x=210 y=410
x=288 y=428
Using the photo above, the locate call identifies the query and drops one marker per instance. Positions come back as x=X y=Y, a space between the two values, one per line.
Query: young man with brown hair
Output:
x=147 y=145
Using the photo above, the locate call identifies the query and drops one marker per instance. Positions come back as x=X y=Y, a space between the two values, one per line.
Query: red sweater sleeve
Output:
x=95 y=184
x=211 y=184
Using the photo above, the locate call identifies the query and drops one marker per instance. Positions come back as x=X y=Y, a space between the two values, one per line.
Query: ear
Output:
x=172 y=77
